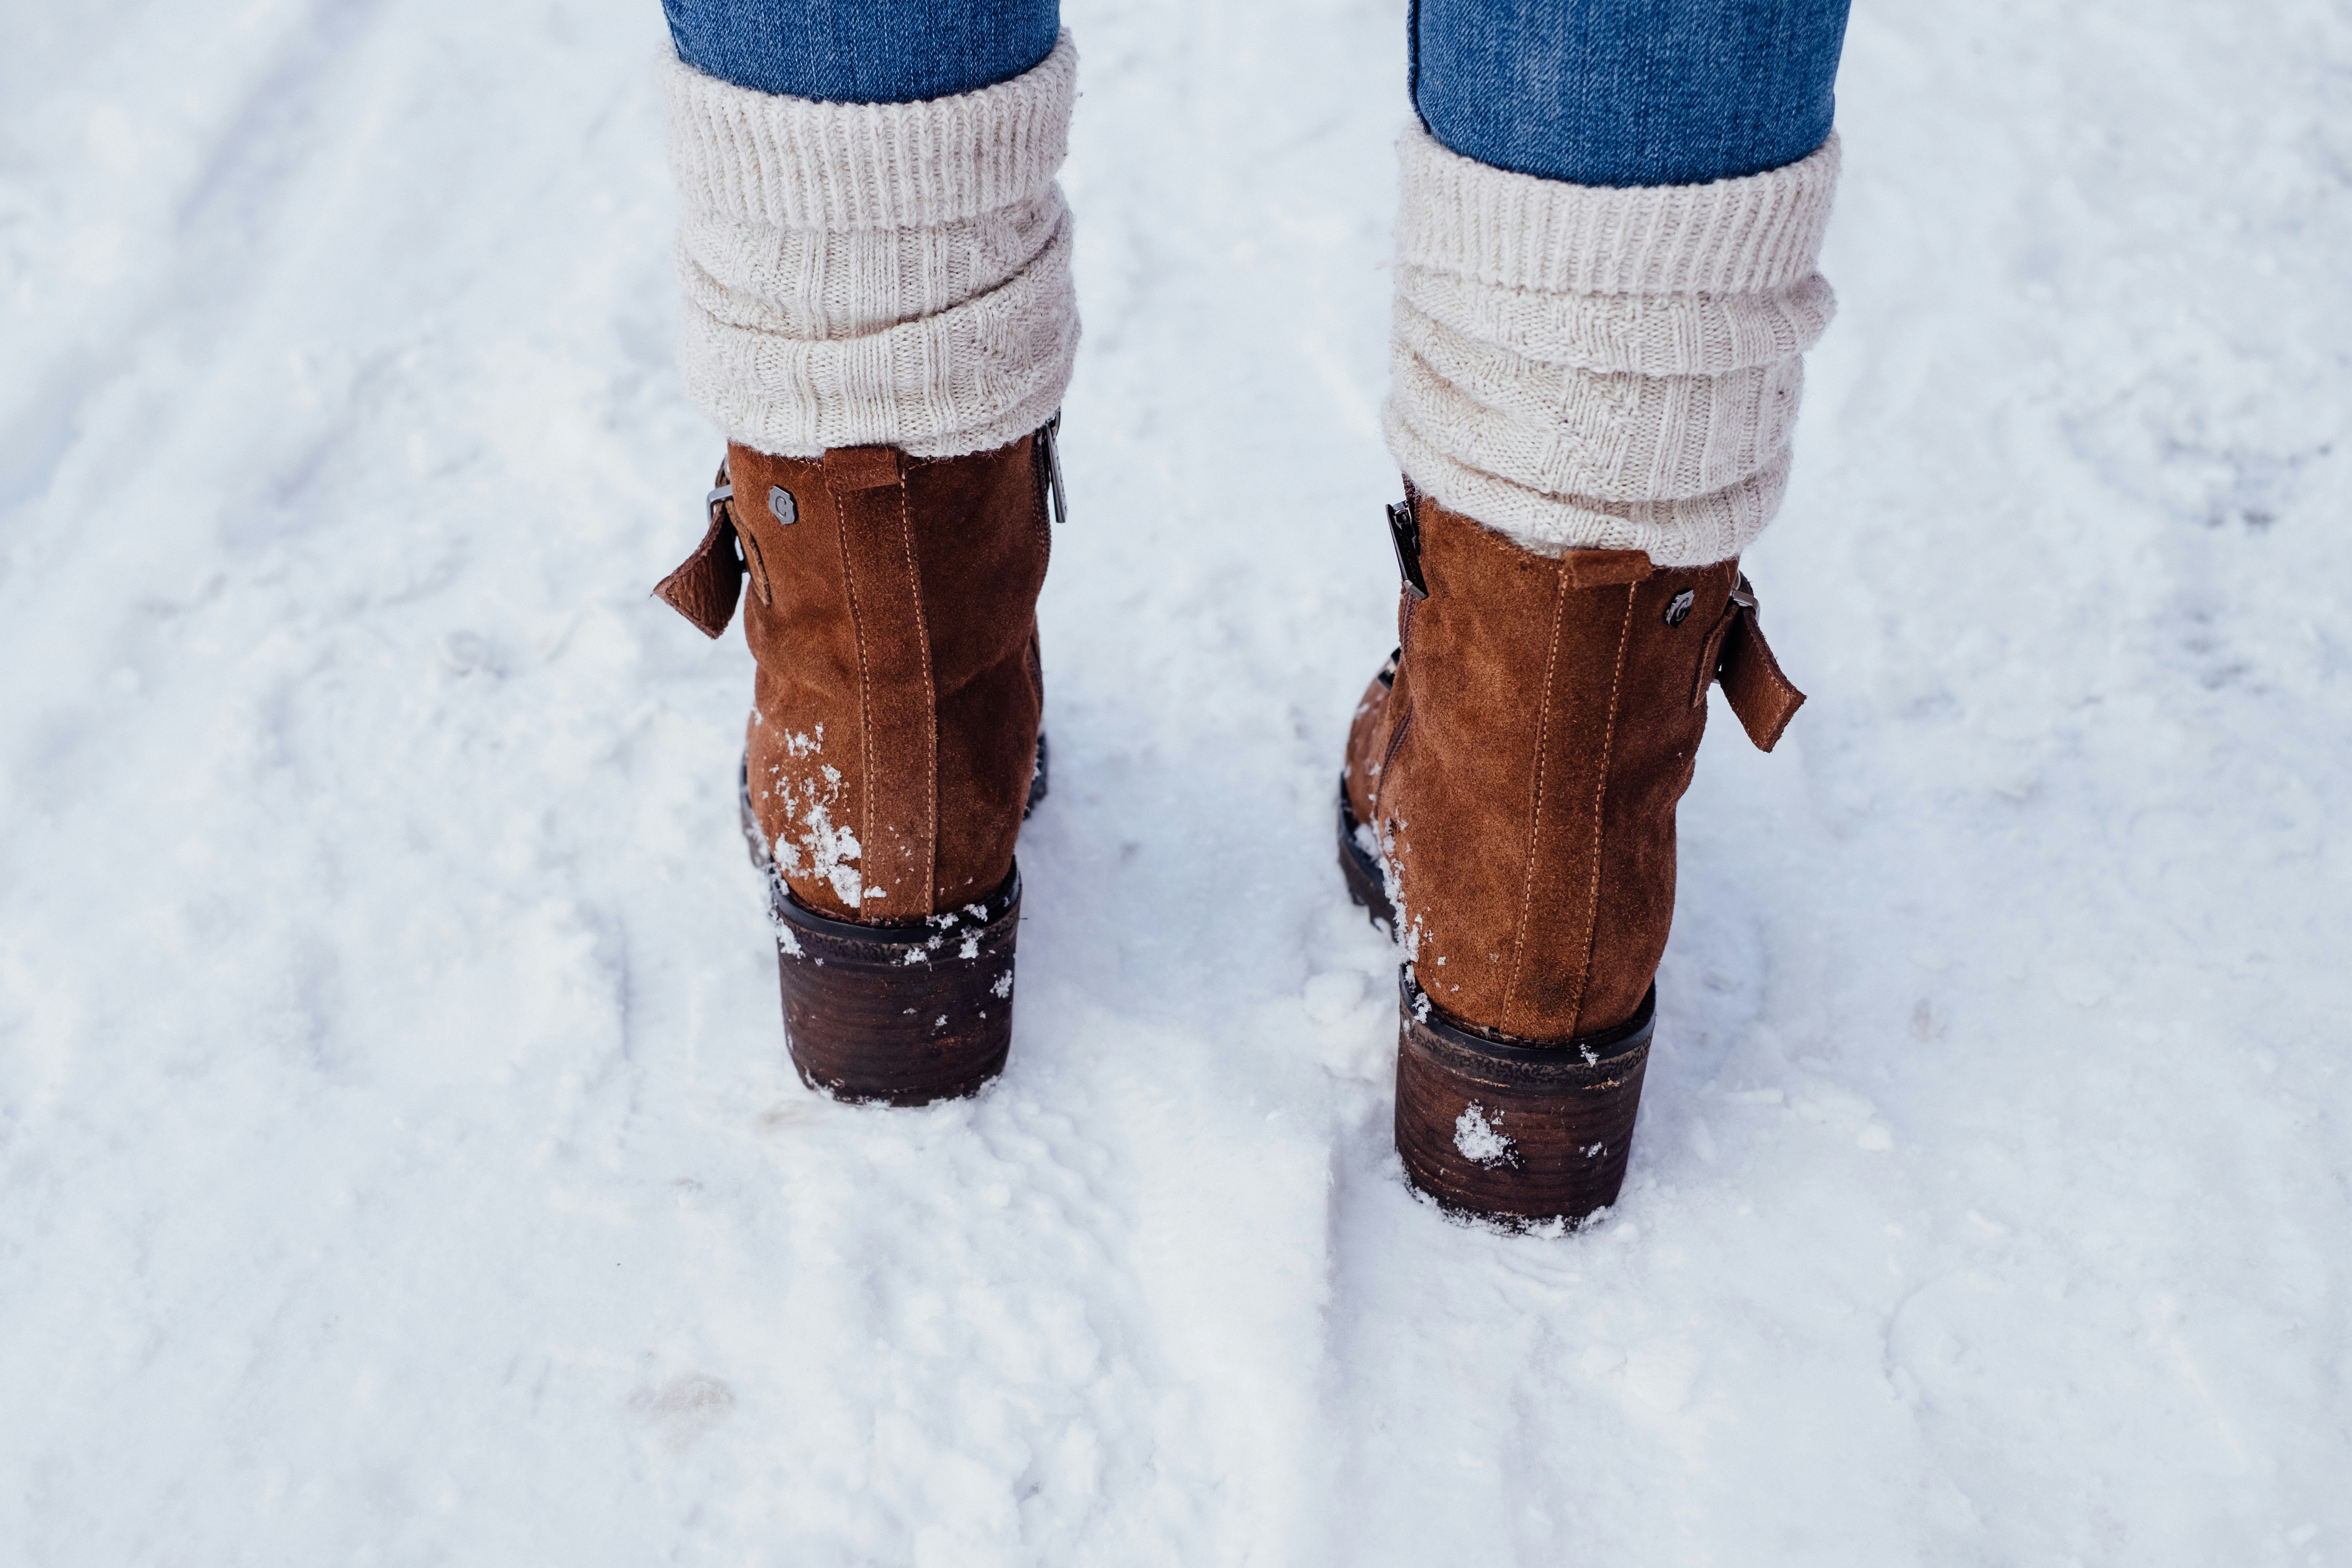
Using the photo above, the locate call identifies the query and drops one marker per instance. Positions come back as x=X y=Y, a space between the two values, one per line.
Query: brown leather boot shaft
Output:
x=892 y=610
x=1522 y=773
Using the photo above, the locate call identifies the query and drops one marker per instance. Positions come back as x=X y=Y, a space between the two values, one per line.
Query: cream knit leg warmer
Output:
x=1579 y=366
x=878 y=274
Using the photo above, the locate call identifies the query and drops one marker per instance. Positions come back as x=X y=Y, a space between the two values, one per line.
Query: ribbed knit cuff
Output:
x=1591 y=367
x=792 y=162
x=874 y=273
x=1734 y=237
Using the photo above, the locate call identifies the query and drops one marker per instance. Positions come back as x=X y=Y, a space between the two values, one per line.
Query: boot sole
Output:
x=906 y=1014
x=1516 y=1134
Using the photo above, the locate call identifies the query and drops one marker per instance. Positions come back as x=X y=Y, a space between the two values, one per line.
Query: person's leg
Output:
x=1606 y=264
x=863 y=51
x=1621 y=92
x=878 y=313
x=1605 y=283
x=892 y=272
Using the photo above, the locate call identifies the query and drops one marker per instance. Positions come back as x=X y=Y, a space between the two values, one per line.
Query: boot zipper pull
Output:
x=1404 y=533
x=1046 y=433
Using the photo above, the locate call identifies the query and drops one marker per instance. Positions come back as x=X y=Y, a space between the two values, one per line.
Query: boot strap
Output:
x=707 y=584
x=1761 y=696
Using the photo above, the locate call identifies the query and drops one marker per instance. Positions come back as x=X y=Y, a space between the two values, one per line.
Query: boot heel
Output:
x=1516 y=1132
x=905 y=1015
x=901 y=1014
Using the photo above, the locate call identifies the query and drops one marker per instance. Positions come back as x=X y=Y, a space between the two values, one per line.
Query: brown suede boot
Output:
x=893 y=747
x=1508 y=807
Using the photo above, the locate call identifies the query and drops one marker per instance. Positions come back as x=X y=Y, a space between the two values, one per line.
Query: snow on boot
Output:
x=878 y=311
x=893 y=747
x=1508 y=807
x=1593 y=393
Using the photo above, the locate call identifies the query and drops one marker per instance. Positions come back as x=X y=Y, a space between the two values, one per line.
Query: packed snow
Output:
x=1479 y=1140
x=399 y=1162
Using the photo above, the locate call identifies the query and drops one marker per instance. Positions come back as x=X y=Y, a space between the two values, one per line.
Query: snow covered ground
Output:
x=398 y=1160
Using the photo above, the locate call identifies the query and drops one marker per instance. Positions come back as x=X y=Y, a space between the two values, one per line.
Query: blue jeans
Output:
x=863 y=51
x=1599 y=93
x=1628 y=92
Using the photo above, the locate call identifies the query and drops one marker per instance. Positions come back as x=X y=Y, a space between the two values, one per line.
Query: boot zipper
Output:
x=1404 y=534
x=1052 y=465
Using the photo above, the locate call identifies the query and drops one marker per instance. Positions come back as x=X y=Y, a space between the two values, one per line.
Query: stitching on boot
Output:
x=865 y=694
x=931 y=697
x=1037 y=495
x=758 y=565
x=1535 y=808
x=1373 y=786
x=1388 y=758
x=1601 y=808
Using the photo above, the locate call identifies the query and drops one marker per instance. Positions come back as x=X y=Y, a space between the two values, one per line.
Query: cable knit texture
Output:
x=876 y=274
x=1579 y=366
